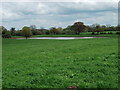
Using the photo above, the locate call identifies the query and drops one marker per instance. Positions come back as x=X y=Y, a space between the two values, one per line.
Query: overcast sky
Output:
x=57 y=14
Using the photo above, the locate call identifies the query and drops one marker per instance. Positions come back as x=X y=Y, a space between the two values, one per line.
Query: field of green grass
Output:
x=86 y=63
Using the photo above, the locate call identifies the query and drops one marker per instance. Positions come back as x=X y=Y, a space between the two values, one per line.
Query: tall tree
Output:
x=12 y=30
x=26 y=31
x=33 y=27
x=3 y=29
x=95 y=28
x=78 y=27
x=53 y=30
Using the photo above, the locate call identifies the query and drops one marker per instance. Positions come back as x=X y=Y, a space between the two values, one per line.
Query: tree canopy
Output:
x=26 y=31
x=78 y=27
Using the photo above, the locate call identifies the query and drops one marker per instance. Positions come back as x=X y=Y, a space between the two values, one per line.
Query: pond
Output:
x=61 y=37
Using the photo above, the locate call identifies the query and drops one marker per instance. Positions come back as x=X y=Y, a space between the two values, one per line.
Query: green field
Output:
x=86 y=63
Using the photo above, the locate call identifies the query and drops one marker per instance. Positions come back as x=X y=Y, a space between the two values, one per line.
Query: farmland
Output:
x=85 y=63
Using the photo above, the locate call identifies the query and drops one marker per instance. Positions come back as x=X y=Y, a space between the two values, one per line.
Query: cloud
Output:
x=48 y=14
x=60 y=1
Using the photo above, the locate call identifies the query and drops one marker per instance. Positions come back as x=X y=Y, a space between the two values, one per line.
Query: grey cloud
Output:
x=49 y=14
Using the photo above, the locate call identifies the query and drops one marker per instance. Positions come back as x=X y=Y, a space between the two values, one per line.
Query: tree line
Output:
x=75 y=29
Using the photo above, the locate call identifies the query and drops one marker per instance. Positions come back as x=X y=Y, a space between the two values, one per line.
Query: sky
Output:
x=57 y=13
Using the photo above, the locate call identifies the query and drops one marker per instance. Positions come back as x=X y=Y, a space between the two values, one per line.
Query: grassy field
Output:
x=86 y=63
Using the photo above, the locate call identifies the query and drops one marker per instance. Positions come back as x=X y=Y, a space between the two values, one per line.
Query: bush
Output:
x=18 y=33
x=117 y=32
x=6 y=35
x=110 y=33
x=69 y=32
x=102 y=33
x=47 y=32
x=36 y=32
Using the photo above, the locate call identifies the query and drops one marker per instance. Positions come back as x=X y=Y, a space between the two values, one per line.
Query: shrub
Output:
x=36 y=32
x=102 y=33
x=18 y=33
x=6 y=35
x=110 y=33
x=69 y=32
x=117 y=32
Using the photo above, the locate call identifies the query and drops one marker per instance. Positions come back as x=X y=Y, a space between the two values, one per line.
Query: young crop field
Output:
x=85 y=63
